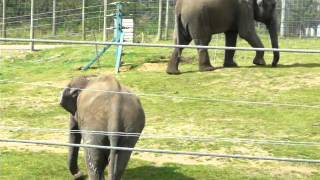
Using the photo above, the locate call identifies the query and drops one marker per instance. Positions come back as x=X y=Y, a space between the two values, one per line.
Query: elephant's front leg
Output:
x=204 y=60
x=255 y=42
x=74 y=138
x=231 y=41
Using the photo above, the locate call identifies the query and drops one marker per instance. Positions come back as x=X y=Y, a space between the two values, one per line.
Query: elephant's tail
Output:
x=182 y=32
x=114 y=141
x=178 y=24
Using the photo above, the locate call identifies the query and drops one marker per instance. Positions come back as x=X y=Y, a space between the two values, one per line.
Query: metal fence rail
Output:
x=315 y=106
x=241 y=157
x=166 y=136
x=302 y=51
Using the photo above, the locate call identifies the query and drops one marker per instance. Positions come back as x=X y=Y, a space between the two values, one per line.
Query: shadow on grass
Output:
x=309 y=65
x=158 y=173
x=197 y=71
x=296 y=65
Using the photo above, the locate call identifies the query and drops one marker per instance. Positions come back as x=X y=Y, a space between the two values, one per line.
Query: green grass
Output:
x=25 y=165
x=296 y=81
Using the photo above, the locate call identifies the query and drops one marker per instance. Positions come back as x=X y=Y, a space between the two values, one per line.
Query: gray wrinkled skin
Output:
x=101 y=111
x=198 y=20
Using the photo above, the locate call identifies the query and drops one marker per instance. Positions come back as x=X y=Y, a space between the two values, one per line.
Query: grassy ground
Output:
x=296 y=81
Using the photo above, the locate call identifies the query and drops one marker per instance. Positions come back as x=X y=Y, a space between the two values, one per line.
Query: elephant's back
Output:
x=106 y=100
x=207 y=16
x=132 y=112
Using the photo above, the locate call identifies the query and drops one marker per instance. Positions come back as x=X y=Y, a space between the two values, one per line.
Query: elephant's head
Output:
x=70 y=94
x=265 y=11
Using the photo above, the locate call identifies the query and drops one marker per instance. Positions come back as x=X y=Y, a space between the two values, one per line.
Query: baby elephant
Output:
x=102 y=104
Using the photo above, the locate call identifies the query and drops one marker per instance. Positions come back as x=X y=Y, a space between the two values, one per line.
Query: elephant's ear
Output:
x=74 y=92
x=246 y=16
x=69 y=99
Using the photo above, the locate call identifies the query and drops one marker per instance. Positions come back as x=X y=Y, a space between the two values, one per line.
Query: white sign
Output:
x=318 y=31
x=310 y=32
x=128 y=30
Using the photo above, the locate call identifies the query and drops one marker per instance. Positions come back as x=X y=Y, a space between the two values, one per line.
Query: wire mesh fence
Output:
x=152 y=18
x=68 y=19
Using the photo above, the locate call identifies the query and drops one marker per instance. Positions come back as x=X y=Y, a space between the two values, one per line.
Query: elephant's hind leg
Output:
x=173 y=65
x=204 y=60
x=96 y=159
x=231 y=41
x=124 y=156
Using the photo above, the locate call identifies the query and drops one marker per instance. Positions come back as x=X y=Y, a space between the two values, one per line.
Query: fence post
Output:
x=83 y=20
x=160 y=21
x=32 y=25
x=283 y=18
x=4 y=28
x=54 y=3
x=167 y=20
x=105 y=11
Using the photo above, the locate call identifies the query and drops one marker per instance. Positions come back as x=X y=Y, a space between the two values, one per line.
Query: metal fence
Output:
x=65 y=20
x=153 y=19
x=84 y=19
x=191 y=138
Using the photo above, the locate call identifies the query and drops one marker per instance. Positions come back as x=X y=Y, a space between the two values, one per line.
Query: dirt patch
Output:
x=285 y=83
x=302 y=170
x=153 y=67
x=160 y=160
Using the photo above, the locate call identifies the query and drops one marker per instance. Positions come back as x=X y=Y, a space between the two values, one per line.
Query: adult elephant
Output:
x=198 y=20
x=106 y=106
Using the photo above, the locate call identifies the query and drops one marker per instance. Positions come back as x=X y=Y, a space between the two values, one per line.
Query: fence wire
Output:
x=300 y=51
x=241 y=157
x=297 y=18
x=161 y=136
x=316 y=106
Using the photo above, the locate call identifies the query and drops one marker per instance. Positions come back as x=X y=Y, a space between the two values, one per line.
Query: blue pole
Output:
x=119 y=53
x=118 y=37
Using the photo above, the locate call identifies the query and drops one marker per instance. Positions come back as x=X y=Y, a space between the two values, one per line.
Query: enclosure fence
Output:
x=314 y=106
x=38 y=22
x=304 y=51
x=153 y=19
x=189 y=138
x=163 y=136
x=163 y=151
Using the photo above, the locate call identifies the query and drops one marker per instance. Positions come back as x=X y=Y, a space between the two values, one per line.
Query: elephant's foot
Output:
x=79 y=176
x=173 y=71
x=274 y=64
x=259 y=62
x=230 y=65
x=206 y=68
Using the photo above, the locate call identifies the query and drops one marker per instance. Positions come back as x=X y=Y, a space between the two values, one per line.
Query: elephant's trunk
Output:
x=273 y=31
